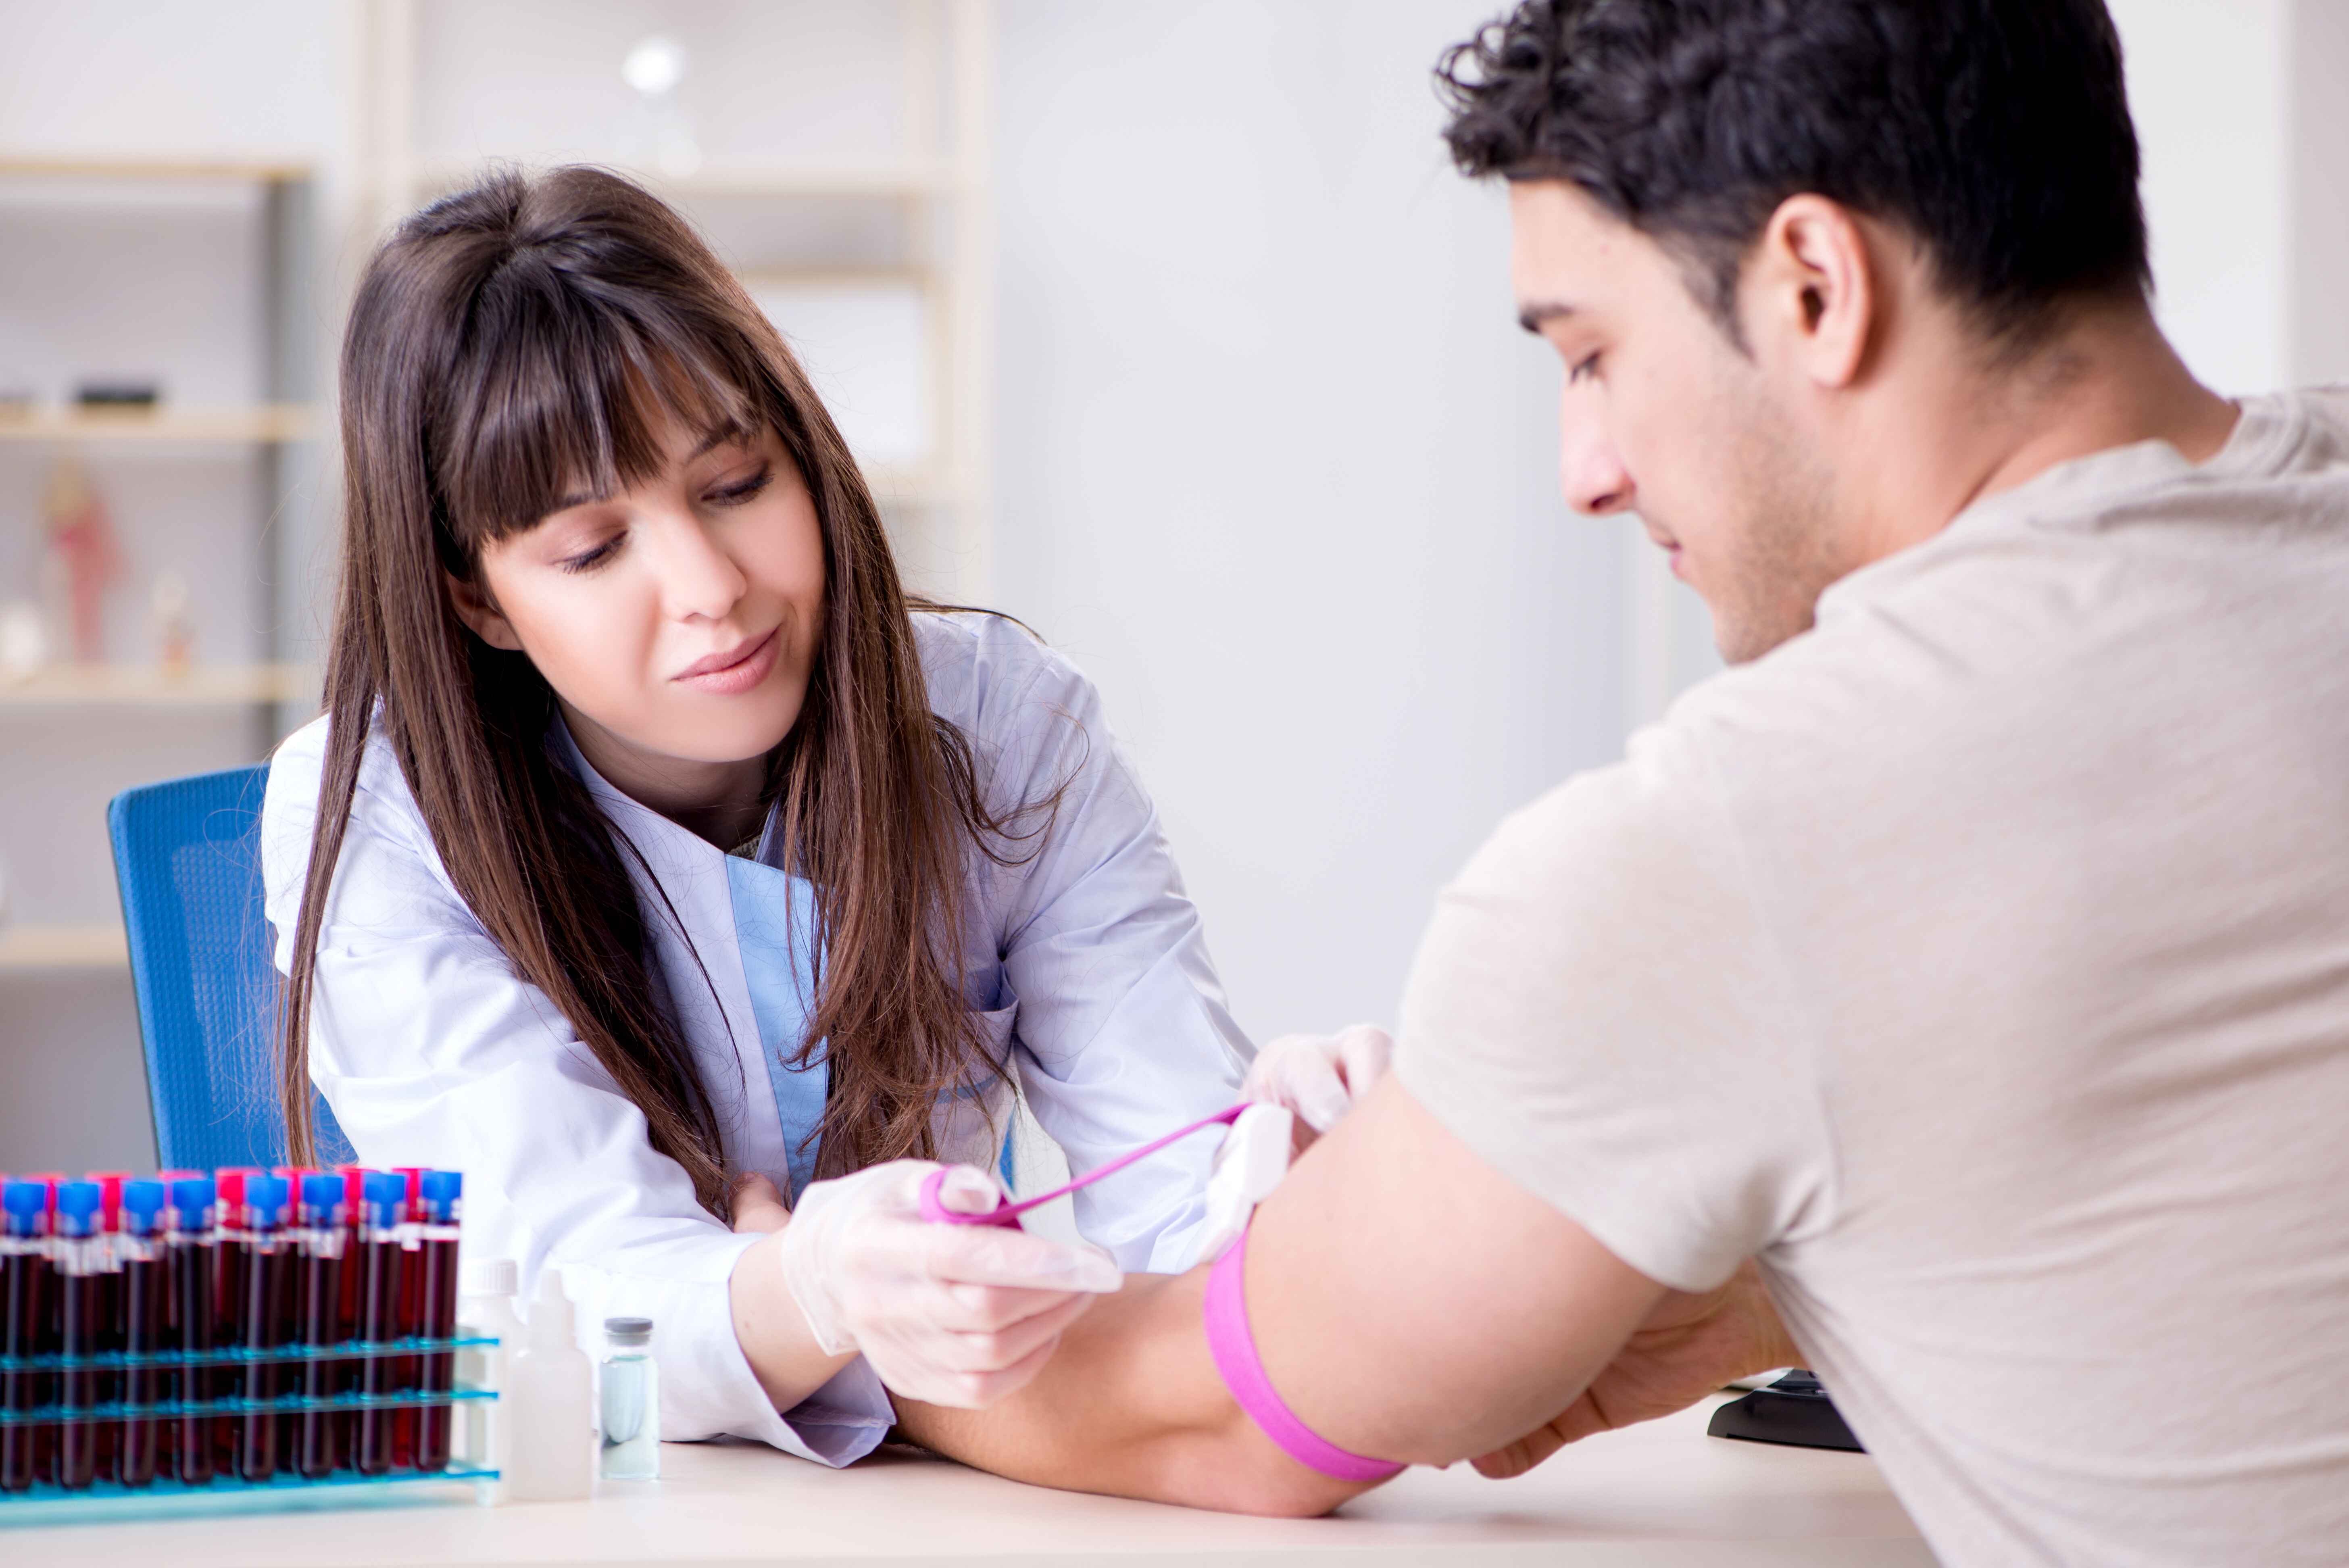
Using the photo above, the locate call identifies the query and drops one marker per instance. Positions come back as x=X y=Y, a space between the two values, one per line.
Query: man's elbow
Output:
x=1236 y=1469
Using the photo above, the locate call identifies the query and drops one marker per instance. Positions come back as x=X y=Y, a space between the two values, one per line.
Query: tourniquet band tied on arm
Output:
x=1254 y=1158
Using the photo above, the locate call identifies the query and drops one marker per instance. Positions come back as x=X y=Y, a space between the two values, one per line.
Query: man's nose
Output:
x=1594 y=479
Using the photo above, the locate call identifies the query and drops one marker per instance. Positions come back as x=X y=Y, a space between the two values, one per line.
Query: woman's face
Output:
x=677 y=620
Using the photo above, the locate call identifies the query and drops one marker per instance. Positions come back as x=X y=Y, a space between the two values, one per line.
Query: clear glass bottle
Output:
x=631 y=1401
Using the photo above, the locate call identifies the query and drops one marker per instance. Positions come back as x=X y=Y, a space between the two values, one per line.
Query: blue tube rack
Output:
x=46 y=1501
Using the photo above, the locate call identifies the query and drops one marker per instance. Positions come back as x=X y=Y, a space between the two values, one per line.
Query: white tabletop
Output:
x=1663 y=1493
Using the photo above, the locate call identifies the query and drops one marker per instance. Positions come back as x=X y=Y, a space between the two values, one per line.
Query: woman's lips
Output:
x=735 y=672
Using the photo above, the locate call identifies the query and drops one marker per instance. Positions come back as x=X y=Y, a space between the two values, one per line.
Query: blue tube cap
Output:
x=78 y=1204
x=385 y=1190
x=443 y=1186
x=324 y=1193
x=192 y=1198
x=25 y=1202
x=144 y=1200
x=265 y=1197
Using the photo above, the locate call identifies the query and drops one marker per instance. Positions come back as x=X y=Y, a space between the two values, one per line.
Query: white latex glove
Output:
x=949 y=1314
x=1319 y=1076
x=1249 y=1163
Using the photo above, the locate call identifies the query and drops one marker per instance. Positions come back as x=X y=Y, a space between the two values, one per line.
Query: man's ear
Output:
x=479 y=612
x=1811 y=291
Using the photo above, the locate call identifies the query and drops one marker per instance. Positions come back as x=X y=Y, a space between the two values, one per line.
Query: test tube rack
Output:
x=71 y=1415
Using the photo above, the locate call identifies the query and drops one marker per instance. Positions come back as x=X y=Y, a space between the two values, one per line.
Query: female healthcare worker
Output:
x=652 y=849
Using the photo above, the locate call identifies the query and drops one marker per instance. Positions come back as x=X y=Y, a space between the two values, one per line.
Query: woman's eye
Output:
x=588 y=560
x=736 y=494
x=1587 y=366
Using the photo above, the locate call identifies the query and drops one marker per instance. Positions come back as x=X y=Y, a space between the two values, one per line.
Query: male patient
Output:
x=1953 y=996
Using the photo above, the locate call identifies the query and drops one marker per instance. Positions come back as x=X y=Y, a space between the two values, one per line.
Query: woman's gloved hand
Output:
x=949 y=1314
x=1319 y=1076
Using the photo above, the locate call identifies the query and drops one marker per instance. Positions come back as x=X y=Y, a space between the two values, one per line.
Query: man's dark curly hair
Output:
x=1995 y=131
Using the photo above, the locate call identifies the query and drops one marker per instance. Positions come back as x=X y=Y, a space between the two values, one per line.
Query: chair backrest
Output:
x=187 y=855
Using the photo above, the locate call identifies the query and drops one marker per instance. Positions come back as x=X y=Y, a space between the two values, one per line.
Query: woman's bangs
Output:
x=561 y=398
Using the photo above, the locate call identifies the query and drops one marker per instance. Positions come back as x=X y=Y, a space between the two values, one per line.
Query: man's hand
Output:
x=1688 y=1346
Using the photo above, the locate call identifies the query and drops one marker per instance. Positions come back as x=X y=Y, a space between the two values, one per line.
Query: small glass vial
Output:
x=631 y=1401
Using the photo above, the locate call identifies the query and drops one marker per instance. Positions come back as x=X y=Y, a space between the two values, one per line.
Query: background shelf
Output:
x=879 y=181
x=198 y=168
x=263 y=422
x=147 y=685
x=38 y=947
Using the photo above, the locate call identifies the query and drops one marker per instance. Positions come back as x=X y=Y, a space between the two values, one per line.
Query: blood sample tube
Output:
x=81 y=1273
x=346 y=1422
x=436 y=1230
x=110 y=1314
x=45 y=1381
x=408 y=1370
x=380 y=1281
x=146 y=1321
x=192 y=1249
x=266 y=1276
x=319 y=1313
x=25 y=1290
x=230 y=1255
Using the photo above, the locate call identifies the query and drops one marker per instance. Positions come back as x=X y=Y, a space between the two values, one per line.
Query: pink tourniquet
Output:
x=1006 y=1213
x=1229 y=1339
x=1233 y=1345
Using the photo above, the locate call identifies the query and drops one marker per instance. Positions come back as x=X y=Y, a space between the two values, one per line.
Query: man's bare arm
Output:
x=1410 y=1302
x=1131 y=1404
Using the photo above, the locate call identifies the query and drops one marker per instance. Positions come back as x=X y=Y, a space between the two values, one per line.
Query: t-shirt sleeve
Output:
x=1597 y=1010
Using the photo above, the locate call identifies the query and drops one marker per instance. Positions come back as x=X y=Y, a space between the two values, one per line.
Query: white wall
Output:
x=2209 y=87
x=1276 y=467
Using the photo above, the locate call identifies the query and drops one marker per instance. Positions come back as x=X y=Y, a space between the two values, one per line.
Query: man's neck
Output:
x=2108 y=378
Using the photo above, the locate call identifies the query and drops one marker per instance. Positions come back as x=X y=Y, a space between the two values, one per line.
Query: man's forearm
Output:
x=1131 y=1404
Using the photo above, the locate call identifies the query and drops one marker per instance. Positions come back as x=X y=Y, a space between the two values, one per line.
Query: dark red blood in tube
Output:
x=381 y=1270
x=193 y=1256
x=437 y=1309
x=24 y=1317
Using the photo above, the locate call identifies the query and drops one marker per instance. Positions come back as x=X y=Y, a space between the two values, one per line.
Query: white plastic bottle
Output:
x=485 y=1308
x=552 y=1430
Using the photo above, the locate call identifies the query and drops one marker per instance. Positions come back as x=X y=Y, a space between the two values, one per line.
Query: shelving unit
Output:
x=939 y=182
x=129 y=720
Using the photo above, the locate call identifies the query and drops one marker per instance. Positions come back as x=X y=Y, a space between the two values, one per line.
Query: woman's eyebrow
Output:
x=709 y=443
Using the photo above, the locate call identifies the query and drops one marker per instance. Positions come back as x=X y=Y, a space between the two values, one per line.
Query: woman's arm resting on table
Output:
x=1410 y=1304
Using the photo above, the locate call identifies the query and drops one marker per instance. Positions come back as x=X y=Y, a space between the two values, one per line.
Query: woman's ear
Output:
x=479 y=612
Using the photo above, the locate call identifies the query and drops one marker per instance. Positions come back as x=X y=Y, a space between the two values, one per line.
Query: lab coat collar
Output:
x=631 y=813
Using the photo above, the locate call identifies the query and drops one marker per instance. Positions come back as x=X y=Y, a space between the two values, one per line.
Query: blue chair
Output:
x=187 y=855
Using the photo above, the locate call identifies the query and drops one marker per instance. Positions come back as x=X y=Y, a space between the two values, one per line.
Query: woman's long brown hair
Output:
x=511 y=345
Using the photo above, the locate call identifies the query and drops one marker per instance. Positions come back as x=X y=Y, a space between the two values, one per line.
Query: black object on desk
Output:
x=1794 y=1410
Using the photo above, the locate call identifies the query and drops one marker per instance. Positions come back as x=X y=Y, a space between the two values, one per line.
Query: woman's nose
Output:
x=1592 y=476
x=699 y=580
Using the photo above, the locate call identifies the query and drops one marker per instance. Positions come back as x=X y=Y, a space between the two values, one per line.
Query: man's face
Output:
x=1663 y=416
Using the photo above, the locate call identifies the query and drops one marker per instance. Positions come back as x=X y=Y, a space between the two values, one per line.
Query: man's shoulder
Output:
x=1609 y=836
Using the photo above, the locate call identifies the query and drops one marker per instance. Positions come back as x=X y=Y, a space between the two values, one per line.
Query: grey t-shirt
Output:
x=1980 y=959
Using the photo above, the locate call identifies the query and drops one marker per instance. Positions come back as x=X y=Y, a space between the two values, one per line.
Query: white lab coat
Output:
x=1088 y=960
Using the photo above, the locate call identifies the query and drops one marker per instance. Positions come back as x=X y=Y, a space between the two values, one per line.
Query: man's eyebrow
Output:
x=1533 y=315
